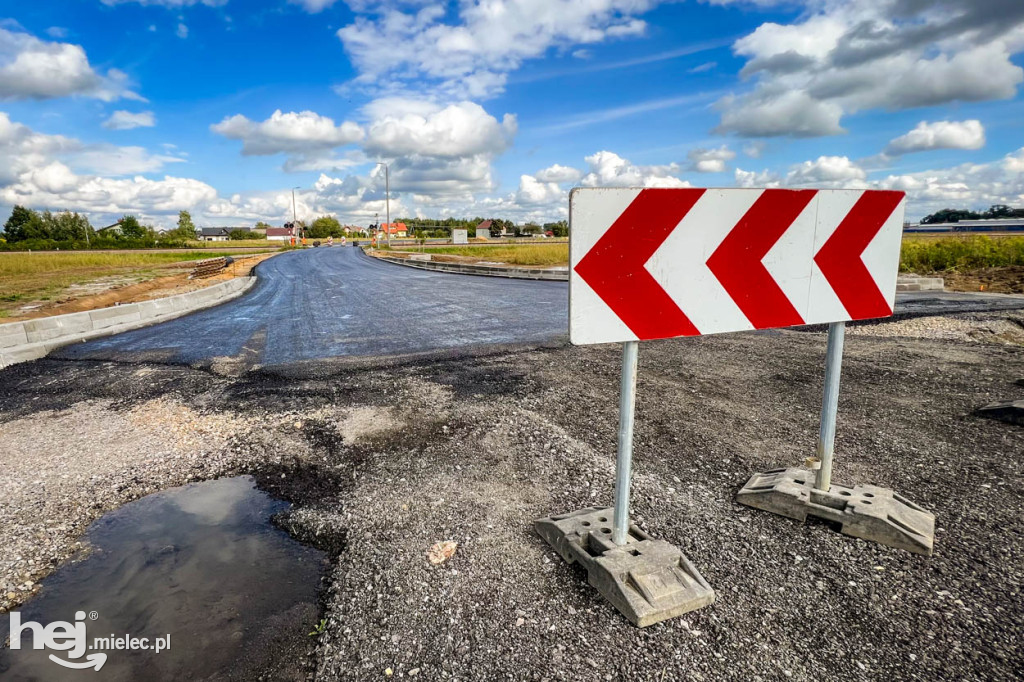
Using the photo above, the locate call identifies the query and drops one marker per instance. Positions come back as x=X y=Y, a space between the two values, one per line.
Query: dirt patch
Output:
x=478 y=448
x=105 y=292
x=1003 y=280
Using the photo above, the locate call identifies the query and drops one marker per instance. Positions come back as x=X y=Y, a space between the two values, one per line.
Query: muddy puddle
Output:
x=198 y=570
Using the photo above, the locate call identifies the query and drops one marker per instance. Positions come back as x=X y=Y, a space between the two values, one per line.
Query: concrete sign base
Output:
x=647 y=580
x=1011 y=412
x=863 y=511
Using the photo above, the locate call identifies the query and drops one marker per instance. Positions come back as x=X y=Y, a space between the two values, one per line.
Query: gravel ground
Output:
x=385 y=461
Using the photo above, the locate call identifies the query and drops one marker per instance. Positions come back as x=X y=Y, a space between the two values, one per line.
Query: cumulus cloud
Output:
x=469 y=55
x=31 y=68
x=608 y=169
x=827 y=171
x=535 y=192
x=558 y=174
x=843 y=57
x=126 y=120
x=457 y=130
x=939 y=135
x=292 y=132
x=313 y=6
x=711 y=160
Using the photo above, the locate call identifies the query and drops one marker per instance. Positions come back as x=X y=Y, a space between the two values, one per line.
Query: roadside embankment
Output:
x=33 y=339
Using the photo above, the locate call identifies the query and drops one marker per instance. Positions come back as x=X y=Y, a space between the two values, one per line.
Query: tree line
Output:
x=954 y=215
x=27 y=229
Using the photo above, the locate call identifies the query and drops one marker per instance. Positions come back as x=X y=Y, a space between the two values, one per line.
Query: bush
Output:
x=960 y=253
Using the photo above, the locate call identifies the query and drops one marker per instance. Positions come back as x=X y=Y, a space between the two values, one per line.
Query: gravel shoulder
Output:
x=384 y=461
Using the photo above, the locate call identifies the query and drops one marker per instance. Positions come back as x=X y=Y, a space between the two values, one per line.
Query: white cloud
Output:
x=31 y=68
x=767 y=114
x=843 y=57
x=702 y=68
x=534 y=192
x=126 y=120
x=608 y=169
x=939 y=135
x=752 y=179
x=182 y=31
x=57 y=32
x=313 y=6
x=559 y=174
x=457 y=130
x=711 y=160
x=469 y=56
x=292 y=132
x=827 y=171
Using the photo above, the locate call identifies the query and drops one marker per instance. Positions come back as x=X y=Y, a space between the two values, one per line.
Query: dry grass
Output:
x=42 y=276
x=523 y=254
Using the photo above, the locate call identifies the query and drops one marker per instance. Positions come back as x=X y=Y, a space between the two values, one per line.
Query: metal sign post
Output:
x=830 y=404
x=624 y=460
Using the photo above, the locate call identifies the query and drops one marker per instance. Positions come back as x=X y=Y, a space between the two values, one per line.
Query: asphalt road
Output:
x=331 y=302
x=337 y=302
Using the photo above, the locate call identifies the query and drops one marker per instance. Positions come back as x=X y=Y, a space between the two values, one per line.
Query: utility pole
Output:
x=387 y=199
x=295 y=220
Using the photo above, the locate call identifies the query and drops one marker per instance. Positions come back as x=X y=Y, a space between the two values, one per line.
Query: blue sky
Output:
x=496 y=108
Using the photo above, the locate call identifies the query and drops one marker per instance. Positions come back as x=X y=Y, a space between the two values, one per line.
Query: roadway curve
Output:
x=338 y=302
x=332 y=302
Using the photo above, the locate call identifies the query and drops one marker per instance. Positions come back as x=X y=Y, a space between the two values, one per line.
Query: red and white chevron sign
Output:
x=659 y=263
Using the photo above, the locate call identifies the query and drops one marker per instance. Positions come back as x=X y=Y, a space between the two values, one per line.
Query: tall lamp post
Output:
x=387 y=199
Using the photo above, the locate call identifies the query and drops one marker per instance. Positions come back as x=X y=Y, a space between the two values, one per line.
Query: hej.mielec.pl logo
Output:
x=72 y=639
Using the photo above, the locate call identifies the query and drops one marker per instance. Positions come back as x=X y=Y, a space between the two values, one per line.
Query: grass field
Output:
x=41 y=276
x=523 y=254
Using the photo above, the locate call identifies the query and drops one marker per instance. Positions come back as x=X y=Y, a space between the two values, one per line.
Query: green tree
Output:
x=24 y=223
x=66 y=226
x=186 y=229
x=557 y=229
x=238 y=235
x=131 y=228
x=323 y=227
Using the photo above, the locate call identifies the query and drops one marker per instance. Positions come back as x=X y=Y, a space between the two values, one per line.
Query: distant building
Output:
x=483 y=230
x=222 y=234
x=993 y=225
x=395 y=229
x=110 y=229
x=281 y=233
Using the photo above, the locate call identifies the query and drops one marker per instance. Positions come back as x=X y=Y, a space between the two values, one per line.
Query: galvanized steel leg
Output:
x=624 y=461
x=830 y=403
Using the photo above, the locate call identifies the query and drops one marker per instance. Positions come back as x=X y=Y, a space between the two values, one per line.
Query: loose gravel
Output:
x=383 y=462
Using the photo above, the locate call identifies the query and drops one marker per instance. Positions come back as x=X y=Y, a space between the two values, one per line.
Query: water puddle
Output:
x=201 y=563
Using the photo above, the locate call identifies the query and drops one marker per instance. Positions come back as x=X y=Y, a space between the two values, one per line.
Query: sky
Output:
x=497 y=108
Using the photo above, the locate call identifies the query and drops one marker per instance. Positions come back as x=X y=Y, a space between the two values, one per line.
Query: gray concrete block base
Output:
x=863 y=511
x=647 y=580
x=1010 y=411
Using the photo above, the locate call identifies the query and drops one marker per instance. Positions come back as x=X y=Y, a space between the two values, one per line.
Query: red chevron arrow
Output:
x=737 y=260
x=615 y=270
x=840 y=259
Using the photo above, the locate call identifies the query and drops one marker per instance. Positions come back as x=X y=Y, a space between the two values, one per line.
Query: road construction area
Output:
x=383 y=458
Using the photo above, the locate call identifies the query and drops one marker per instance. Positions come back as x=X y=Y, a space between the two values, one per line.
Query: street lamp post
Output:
x=387 y=199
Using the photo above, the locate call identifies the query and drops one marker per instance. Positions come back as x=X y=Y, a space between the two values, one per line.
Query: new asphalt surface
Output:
x=331 y=302
x=338 y=302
